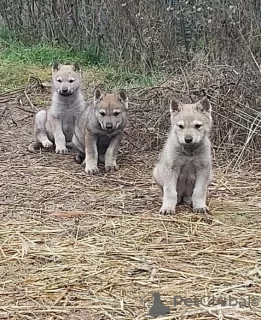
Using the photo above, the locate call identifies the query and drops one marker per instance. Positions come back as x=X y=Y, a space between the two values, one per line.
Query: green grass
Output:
x=43 y=55
x=18 y=61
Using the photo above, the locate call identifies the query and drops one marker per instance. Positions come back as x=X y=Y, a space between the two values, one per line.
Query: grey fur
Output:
x=184 y=169
x=55 y=126
x=92 y=139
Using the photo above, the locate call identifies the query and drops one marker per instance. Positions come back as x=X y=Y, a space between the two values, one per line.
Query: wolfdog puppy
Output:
x=184 y=169
x=56 y=124
x=99 y=130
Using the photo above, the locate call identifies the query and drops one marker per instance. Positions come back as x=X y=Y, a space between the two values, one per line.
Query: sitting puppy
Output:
x=184 y=169
x=56 y=124
x=99 y=130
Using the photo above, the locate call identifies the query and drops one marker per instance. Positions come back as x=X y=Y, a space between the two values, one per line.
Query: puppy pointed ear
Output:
x=76 y=67
x=98 y=95
x=56 y=66
x=122 y=96
x=204 y=104
x=174 y=106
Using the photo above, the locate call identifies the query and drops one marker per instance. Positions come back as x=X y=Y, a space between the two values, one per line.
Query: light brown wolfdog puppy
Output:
x=55 y=126
x=184 y=169
x=99 y=130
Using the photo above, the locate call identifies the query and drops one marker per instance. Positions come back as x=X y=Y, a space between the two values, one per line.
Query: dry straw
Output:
x=235 y=98
x=77 y=247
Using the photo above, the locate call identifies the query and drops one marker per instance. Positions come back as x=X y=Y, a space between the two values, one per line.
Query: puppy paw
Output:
x=47 y=144
x=32 y=147
x=201 y=210
x=91 y=169
x=167 y=210
x=112 y=168
x=61 y=150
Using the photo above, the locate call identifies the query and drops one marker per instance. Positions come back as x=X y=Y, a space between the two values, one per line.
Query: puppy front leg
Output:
x=111 y=153
x=78 y=146
x=59 y=137
x=169 y=180
x=91 y=153
x=200 y=190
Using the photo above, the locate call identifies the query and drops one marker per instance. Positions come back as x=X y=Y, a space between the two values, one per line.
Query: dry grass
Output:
x=235 y=98
x=78 y=247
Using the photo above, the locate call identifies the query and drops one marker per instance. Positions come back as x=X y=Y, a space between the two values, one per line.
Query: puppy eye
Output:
x=59 y=80
x=102 y=113
x=197 y=126
x=116 y=113
x=71 y=80
x=181 y=126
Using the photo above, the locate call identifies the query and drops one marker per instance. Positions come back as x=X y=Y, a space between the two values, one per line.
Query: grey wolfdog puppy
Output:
x=99 y=130
x=184 y=169
x=56 y=124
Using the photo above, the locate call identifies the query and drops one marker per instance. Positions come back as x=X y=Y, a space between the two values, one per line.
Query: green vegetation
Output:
x=18 y=61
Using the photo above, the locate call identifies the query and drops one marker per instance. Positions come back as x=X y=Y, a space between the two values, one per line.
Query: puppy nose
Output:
x=64 y=90
x=188 y=139
x=108 y=125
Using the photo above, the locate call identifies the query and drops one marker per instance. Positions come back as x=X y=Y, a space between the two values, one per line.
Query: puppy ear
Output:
x=204 y=104
x=98 y=95
x=122 y=96
x=56 y=66
x=76 y=67
x=175 y=106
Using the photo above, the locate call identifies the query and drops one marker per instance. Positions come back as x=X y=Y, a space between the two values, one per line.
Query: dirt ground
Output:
x=94 y=247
